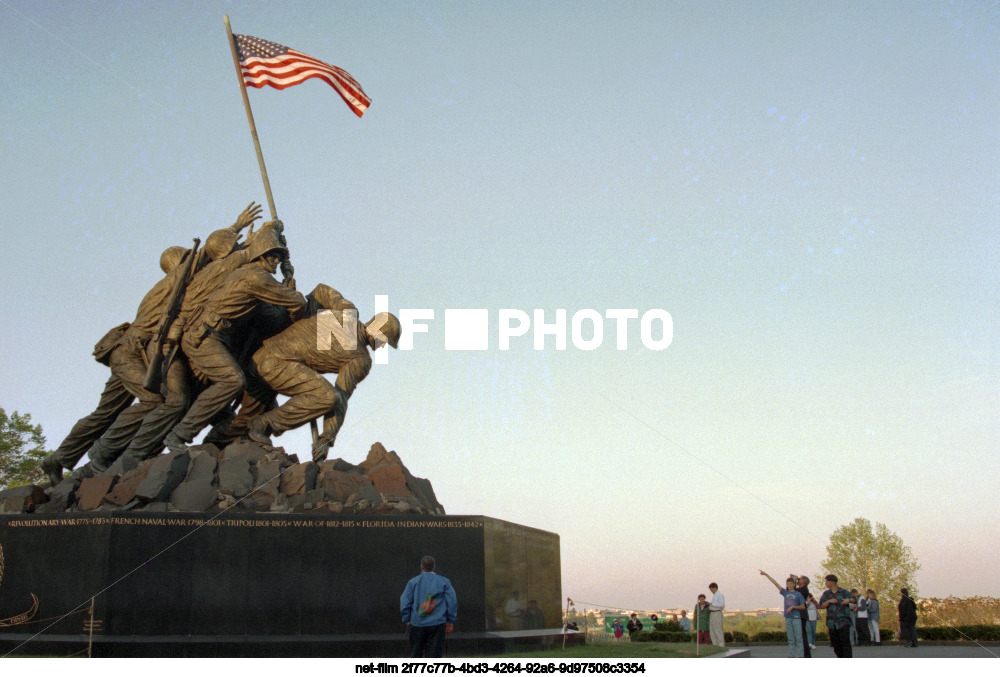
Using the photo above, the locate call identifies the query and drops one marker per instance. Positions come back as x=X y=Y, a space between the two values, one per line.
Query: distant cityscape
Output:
x=662 y=614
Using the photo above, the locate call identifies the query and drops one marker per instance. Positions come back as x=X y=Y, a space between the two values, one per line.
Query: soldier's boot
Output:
x=173 y=442
x=52 y=468
x=86 y=470
x=219 y=436
x=100 y=459
x=259 y=430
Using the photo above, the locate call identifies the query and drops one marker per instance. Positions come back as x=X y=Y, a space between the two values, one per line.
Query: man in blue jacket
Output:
x=429 y=608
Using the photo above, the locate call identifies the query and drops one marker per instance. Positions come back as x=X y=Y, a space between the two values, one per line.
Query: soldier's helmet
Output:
x=170 y=257
x=220 y=244
x=265 y=241
x=385 y=327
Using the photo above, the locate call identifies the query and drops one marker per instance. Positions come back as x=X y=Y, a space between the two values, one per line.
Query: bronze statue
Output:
x=110 y=429
x=211 y=332
x=222 y=248
x=292 y=362
x=218 y=317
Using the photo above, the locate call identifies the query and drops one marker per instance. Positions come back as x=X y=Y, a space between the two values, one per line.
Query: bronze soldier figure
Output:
x=291 y=364
x=110 y=428
x=114 y=400
x=222 y=249
x=212 y=332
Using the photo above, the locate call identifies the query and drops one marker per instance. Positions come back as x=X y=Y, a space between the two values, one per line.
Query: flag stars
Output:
x=249 y=47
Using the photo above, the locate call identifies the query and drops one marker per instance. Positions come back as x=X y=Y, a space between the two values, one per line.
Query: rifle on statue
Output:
x=157 y=364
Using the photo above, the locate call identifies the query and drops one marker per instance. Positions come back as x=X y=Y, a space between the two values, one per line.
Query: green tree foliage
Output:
x=862 y=558
x=22 y=448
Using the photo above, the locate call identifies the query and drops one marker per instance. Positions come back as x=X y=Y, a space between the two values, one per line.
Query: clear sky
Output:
x=810 y=189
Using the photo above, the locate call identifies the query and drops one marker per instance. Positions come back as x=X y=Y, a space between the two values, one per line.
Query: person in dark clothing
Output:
x=803 y=589
x=836 y=601
x=907 y=618
x=534 y=619
x=634 y=625
x=861 y=624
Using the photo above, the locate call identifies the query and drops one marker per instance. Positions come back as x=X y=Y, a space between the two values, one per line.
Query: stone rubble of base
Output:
x=243 y=477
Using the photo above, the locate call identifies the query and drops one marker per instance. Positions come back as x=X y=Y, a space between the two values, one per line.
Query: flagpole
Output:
x=253 y=127
x=313 y=426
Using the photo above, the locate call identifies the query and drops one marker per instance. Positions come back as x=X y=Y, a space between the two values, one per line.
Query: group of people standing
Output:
x=851 y=619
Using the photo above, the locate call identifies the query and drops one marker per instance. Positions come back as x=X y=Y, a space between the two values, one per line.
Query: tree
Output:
x=864 y=558
x=22 y=448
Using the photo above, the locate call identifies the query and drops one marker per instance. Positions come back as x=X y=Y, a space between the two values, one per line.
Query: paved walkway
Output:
x=885 y=651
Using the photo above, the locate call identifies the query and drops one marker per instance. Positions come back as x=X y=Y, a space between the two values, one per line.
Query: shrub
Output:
x=736 y=636
x=988 y=633
x=770 y=636
x=979 y=633
x=668 y=626
x=662 y=636
x=938 y=633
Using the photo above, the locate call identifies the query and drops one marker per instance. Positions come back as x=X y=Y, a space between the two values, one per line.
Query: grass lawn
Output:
x=622 y=650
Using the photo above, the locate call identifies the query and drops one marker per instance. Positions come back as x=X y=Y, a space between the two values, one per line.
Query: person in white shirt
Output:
x=514 y=612
x=812 y=616
x=862 y=623
x=715 y=609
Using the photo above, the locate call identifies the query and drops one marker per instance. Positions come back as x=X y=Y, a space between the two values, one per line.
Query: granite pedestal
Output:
x=260 y=584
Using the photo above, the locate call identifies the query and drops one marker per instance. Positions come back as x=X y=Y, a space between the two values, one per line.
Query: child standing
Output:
x=794 y=604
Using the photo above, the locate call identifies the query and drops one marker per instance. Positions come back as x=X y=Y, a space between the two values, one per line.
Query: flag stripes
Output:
x=268 y=63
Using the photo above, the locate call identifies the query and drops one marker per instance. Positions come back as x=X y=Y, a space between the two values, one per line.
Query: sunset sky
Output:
x=809 y=189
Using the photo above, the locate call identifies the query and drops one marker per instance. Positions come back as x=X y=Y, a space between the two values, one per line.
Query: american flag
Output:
x=274 y=65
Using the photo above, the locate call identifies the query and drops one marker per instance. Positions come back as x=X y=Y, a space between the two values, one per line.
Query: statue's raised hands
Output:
x=248 y=216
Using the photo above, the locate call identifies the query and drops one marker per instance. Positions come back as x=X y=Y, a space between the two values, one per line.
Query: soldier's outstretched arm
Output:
x=269 y=290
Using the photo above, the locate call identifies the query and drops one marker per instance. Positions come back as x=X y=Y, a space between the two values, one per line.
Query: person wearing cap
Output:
x=328 y=341
x=114 y=425
x=212 y=332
